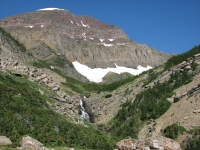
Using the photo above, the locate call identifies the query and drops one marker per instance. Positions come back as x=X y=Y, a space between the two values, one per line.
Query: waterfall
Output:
x=83 y=113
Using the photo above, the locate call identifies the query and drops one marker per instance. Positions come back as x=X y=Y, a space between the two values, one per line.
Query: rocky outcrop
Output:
x=28 y=143
x=79 y=38
x=102 y=108
x=5 y=141
x=65 y=104
x=185 y=65
x=13 y=49
x=159 y=143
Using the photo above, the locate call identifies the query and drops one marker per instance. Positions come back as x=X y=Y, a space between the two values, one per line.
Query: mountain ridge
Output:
x=79 y=38
x=102 y=102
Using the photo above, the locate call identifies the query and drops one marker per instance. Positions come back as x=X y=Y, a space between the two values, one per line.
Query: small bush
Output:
x=173 y=131
x=176 y=99
x=108 y=95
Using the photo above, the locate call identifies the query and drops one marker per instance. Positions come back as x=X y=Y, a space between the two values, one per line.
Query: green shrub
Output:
x=25 y=112
x=173 y=131
x=176 y=99
x=148 y=104
x=108 y=95
x=194 y=142
x=175 y=60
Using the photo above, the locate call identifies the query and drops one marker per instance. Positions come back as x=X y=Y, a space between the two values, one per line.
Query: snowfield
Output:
x=49 y=9
x=97 y=74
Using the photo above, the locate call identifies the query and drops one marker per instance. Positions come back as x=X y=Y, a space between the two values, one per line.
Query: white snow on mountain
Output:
x=50 y=9
x=96 y=74
x=101 y=40
x=107 y=45
x=29 y=26
x=83 y=24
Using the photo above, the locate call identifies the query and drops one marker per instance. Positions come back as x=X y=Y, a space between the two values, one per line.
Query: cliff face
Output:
x=79 y=38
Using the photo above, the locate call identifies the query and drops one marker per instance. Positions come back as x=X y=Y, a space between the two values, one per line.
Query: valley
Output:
x=45 y=98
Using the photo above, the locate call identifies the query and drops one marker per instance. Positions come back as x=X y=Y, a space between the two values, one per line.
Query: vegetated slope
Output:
x=25 y=112
x=152 y=102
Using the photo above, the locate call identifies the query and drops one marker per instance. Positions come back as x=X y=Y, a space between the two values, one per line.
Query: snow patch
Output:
x=29 y=26
x=107 y=45
x=91 y=38
x=52 y=67
x=83 y=34
x=110 y=40
x=42 y=26
x=85 y=25
x=49 y=9
x=101 y=40
x=96 y=74
x=71 y=22
x=78 y=24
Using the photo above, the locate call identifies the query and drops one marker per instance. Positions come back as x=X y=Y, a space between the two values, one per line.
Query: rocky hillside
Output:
x=79 y=38
x=35 y=86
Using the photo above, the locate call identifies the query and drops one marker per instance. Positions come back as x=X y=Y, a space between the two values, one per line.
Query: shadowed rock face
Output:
x=80 y=38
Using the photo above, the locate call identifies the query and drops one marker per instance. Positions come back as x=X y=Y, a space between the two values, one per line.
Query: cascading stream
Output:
x=83 y=113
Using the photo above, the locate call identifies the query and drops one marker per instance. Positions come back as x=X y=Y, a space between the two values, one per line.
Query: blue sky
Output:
x=171 y=26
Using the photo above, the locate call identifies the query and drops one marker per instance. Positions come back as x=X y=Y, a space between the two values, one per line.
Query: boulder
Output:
x=171 y=100
x=196 y=111
x=188 y=67
x=29 y=143
x=5 y=141
x=160 y=143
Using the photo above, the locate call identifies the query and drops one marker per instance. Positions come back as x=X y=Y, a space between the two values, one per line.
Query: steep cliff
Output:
x=79 y=38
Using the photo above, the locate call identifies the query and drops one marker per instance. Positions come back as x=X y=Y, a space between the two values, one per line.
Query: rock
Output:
x=31 y=144
x=197 y=55
x=41 y=92
x=5 y=141
x=56 y=88
x=151 y=129
x=160 y=143
x=188 y=67
x=171 y=100
x=196 y=111
x=151 y=120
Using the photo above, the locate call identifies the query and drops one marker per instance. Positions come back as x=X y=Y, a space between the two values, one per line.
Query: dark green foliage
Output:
x=176 y=99
x=24 y=112
x=173 y=131
x=175 y=60
x=152 y=76
x=149 y=104
x=16 y=42
x=108 y=95
x=41 y=64
x=194 y=142
x=60 y=62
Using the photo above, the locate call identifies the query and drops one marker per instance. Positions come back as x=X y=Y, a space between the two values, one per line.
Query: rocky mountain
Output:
x=40 y=102
x=48 y=34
